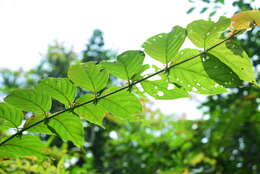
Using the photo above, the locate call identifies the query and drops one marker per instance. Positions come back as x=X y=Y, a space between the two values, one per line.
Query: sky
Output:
x=28 y=26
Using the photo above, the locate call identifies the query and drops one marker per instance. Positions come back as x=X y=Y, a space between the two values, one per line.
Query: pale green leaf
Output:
x=236 y=59
x=69 y=127
x=205 y=34
x=10 y=116
x=164 y=47
x=127 y=65
x=161 y=89
x=60 y=89
x=123 y=104
x=27 y=145
x=29 y=100
x=90 y=112
x=204 y=75
x=88 y=76
x=40 y=128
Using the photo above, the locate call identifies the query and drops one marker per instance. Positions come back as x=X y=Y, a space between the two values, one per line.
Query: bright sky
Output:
x=28 y=26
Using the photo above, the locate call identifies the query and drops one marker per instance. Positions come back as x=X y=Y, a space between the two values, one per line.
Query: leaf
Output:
x=69 y=127
x=60 y=89
x=27 y=145
x=205 y=34
x=123 y=104
x=90 y=112
x=245 y=19
x=236 y=59
x=190 y=10
x=128 y=64
x=88 y=76
x=11 y=116
x=193 y=76
x=161 y=89
x=29 y=100
x=40 y=128
x=164 y=47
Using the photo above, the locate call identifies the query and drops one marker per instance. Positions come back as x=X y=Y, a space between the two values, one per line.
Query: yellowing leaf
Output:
x=245 y=19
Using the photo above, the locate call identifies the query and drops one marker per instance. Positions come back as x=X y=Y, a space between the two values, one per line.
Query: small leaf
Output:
x=60 y=89
x=89 y=76
x=164 y=47
x=128 y=64
x=27 y=145
x=123 y=104
x=161 y=89
x=90 y=112
x=205 y=34
x=190 y=10
x=193 y=76
x=245 y=19
x=11 y=116
x=29 y=100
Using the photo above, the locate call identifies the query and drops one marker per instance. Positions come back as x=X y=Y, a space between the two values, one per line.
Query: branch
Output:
x=116 y=91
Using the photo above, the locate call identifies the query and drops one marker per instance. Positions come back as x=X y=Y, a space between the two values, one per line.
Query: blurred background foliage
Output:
x=225 y=140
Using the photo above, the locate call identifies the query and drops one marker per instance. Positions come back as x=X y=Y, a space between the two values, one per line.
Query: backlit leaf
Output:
x=88 y=76
x=60 y=89
x=245 y=19
x=163 y=47
x=11 y=116
x=27 y=145
x=90 y=112
x=128 y=64
x=29 y=100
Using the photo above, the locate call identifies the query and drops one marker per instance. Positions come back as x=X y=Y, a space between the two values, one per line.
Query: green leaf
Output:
x=161 y=89
x=40 y=128
x=128 y=64
x=202 y=75
x=69 y=127
x=123 y=104
x=60 y=89
x=205 y=34
x=27 y=145
x=88 y=76
x=90 y=112
x=236 y=59
x=29 y=100
x=10 y=116
x=164 y=47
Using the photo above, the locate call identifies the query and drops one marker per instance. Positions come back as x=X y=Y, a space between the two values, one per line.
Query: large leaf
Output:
x=245 y=19
x=236 y=59
x=60 y=89
x=164 y=47
x=205 y=34
x=90 y=112
x=88 y=76
x=69 y=127
x=11 y=116
x=128 y=64
x=123 y=104
x=202 y=75
x=161 y=89
x=29 y=100
x=27 y=145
